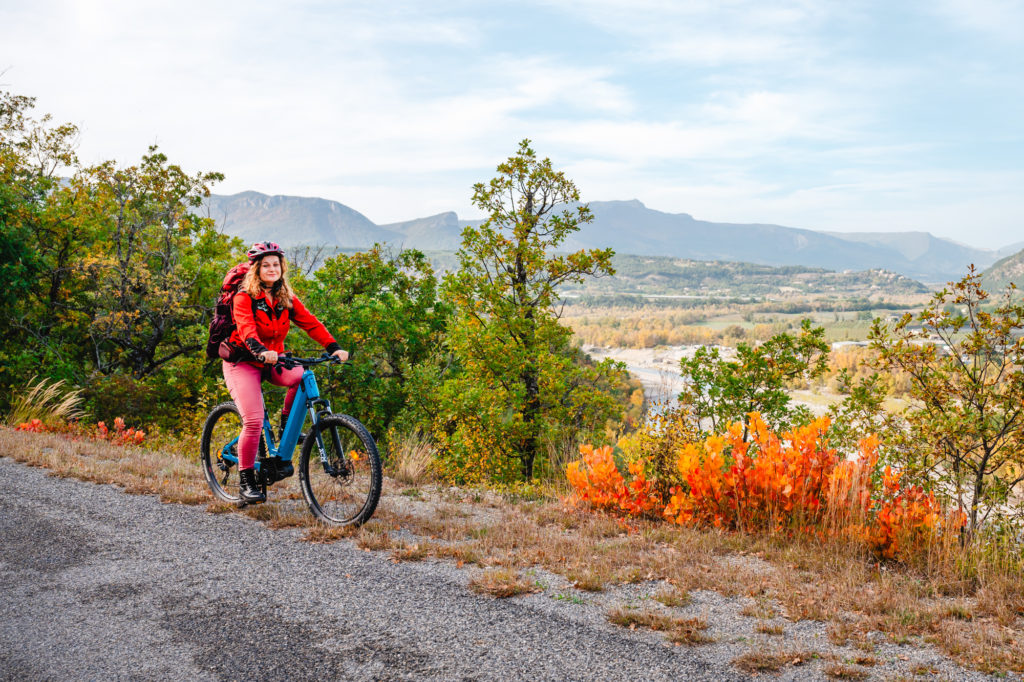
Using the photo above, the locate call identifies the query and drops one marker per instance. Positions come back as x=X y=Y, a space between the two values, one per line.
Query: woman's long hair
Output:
x=281 y=290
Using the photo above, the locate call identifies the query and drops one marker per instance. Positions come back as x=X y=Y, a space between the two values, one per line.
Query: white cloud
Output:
x=1000 y=19
x=706 y=32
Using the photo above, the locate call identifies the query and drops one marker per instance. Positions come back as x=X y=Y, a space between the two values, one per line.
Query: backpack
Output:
x=223 y=322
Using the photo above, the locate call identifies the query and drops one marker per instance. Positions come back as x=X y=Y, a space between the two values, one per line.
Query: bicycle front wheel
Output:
x=340 y=472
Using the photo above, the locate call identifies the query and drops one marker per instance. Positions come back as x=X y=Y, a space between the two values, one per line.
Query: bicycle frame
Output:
x=307 y=395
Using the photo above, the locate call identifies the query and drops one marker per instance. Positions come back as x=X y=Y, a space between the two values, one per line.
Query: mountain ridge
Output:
x=1004 y=272
x=628 y=226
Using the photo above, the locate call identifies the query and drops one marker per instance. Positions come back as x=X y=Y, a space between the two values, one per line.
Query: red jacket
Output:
x=259 y=328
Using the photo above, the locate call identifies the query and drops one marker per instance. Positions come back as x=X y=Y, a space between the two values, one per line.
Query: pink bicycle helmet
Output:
x=261 y=249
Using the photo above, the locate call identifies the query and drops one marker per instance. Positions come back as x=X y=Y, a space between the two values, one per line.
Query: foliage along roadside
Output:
x=793 y=483
x=120 y=435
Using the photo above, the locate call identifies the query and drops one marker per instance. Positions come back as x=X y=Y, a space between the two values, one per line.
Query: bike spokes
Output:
x=341 y=475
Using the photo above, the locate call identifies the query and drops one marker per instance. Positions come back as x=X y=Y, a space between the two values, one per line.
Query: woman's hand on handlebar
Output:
x=341 y=355
x=269 y=357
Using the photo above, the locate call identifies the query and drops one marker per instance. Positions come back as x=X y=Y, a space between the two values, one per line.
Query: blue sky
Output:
x=846 y=116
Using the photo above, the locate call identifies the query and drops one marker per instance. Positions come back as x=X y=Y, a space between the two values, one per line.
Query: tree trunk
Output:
x=528 y=455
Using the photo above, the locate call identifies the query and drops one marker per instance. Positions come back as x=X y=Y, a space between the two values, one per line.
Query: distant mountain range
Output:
x=629 y=227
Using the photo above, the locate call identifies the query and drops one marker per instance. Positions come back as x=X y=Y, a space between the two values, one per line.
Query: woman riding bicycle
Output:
x=263 y=310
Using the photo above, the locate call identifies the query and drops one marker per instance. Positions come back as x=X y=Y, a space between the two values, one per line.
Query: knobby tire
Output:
x=347 y=490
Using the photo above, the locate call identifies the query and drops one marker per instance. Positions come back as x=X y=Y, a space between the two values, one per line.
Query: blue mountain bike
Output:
x=339 y=467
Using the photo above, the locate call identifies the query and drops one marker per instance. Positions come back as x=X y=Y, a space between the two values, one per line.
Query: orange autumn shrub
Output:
x=894 y=520
x=768 y=483
x=906 y=517
x=34 y=426
x=792 y=483
x=119 y=436
x=597 y=481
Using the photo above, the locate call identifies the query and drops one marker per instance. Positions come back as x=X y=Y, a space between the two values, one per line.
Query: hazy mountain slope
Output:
x=1009 y=269
x=295 y=220
x=631 y=227
x=1010 y=249
x=925 y=251
x=441 y=232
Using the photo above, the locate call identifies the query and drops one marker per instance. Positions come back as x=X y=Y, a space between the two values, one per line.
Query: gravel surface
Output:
x=102 y=585
x=98 y=585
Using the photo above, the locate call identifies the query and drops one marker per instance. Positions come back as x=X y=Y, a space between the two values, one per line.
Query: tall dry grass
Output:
x=51 y=402
x=412 y=456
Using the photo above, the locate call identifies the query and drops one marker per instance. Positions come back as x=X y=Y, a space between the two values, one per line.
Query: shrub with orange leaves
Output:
x=596 y=480
x=768 y=483
x=906 y=517
x=120 y=436
x=34 y=426
x=792 y=483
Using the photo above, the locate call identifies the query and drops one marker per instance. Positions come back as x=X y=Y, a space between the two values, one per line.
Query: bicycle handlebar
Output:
x=289 y=361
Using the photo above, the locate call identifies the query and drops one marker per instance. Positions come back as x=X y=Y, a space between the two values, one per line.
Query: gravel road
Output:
x=98 y=585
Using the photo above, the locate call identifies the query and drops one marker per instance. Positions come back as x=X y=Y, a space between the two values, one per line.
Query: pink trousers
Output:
x=243 y=380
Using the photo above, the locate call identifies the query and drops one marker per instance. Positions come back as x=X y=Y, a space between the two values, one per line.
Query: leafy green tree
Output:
x=106 y=273
x=30 y=154
x=965 y=427
x=516 y=380
x=720 y=391
x=36 y=157
x=862 y=414
x=383 y=309
x=150 y=307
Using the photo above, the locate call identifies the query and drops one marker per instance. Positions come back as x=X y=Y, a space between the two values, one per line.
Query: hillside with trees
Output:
x=1006 y=271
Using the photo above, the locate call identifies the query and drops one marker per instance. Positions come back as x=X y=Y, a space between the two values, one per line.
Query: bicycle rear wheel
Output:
x=340 y=471
x=220 y=437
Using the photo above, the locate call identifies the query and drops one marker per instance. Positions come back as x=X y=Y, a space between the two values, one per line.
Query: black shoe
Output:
x=247 y=488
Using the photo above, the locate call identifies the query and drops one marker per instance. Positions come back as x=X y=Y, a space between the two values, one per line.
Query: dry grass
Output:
x=673 y=598
x=138 y=470
x=587 y=580
x=412 y=456
x=49 y=401
x=768 y=628
x=689 y=631
x=413 y=552
x=841 y=671
x=677 y=630
x=759 y=608
x=501 y=583
x=634 y=618
x=374 y=536
x=325 y=534
x=772 y=661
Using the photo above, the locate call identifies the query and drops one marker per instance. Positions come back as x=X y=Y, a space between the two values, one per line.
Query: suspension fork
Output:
x=325 y=460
